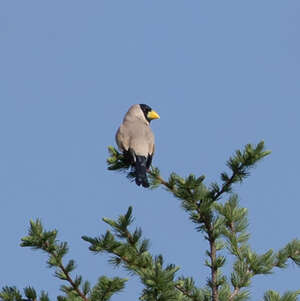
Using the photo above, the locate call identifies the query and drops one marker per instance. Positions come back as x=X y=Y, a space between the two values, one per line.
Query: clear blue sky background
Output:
x=220 y=73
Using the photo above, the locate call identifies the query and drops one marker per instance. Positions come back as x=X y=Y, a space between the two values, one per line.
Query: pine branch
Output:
x=131 y=251
x=106 y=287
x=234 y=226
x=74 y=285
x=187 y=287
x=185 y=293
x=248 y=263
x=11 y=293
x=213 y=262
x=288 y=296
x=46 y=241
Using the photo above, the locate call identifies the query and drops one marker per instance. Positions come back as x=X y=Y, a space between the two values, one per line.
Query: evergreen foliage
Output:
x=76 y=289
x=215 y=211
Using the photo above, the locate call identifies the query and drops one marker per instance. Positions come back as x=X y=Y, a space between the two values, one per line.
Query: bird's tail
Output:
x=140 y=171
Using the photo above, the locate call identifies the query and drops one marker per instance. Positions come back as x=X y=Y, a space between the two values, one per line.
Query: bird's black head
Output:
x=149 y=113
x=146 y=109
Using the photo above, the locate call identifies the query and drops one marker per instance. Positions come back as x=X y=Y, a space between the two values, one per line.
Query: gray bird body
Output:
x=135 y=133
x=135 y=137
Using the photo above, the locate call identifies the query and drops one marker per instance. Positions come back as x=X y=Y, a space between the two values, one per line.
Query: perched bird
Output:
x=136 y=140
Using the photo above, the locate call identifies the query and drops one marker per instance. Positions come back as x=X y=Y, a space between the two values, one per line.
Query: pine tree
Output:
x=216 y=213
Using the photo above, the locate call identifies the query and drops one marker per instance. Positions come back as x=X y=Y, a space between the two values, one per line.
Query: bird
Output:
x=135 y=140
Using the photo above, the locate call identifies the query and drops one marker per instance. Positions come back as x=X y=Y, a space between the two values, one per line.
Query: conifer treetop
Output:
x=214 y=210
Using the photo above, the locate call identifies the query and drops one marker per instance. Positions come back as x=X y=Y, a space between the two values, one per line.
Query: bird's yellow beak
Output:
x=153 y=115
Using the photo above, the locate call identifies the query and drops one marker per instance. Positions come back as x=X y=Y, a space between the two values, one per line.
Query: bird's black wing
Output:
x=149 y=161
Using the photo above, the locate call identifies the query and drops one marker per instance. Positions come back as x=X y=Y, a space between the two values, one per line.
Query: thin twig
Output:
x=184 y=292
x=75 y=287
x=161 y=180
x=235 y=292
x=225 y=186
x=213 y=259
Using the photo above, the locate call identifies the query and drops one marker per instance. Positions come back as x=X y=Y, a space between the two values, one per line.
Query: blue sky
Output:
x=220 y=74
